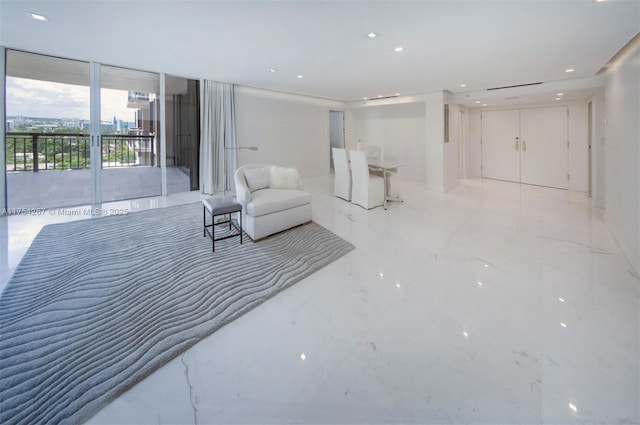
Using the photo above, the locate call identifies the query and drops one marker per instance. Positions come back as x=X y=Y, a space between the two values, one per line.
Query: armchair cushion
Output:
x=284 y=178
x=257 y=178
x=268 y=201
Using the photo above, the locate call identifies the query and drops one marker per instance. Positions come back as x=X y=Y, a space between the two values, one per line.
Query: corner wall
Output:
x=622 y=151
x=435 y=141
x=289 y=130
x=451 y=150
x=598 y=152
x=415 y=126
x=398 y=128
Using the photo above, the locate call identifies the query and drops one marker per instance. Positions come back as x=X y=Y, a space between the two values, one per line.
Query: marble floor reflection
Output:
x=492 y=303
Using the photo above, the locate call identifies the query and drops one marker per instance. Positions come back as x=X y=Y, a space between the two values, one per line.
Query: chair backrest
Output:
x=359 y=165
x=340 y=163
x=243 y=194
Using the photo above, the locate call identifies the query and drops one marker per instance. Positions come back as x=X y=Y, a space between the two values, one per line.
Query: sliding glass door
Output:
x=80 y=133
x=130 y=136
x=48 y=146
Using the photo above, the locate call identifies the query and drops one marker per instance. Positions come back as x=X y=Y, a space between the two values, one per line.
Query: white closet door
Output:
x=543 y=136
x=501 y=145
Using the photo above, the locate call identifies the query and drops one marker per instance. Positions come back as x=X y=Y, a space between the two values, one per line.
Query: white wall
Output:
x=578 y=166
x=289 y=130
x=622 y=156
x=435 y=141
x=400 y=129
x=451 y=150
x=579 y=145
x=598 y=152
x=472 y=146
x=336 y=132
x=415 y=125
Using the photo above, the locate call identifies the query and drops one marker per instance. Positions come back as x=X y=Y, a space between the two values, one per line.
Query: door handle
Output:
x=524 y=145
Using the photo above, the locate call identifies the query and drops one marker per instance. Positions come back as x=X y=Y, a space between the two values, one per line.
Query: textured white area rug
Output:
x=97 y=305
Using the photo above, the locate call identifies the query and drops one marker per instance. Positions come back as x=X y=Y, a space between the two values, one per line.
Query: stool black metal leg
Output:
x=240 y=214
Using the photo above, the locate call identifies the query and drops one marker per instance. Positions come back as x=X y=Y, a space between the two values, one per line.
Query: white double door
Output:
x=526 y=146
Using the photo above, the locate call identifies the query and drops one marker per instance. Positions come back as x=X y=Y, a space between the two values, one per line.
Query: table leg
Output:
x=386 y=189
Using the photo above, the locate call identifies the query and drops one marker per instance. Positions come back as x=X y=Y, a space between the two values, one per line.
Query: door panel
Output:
x=336 y=133
x=500 y=145
x=130 y=133
x=543 y=135
x=48 y=154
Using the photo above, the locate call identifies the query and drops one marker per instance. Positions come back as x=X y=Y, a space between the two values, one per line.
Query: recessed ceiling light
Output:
x=569 y=70
x=465 y=334
x=573 y=407
x=463 y=85
x=560 y=94
x=38 y=17
x=365 y=98
x=561 y=299
x=303 y=356
x=300 y=76
x=379 y=95
x=372 y=35
x=558 y=98
x=399 y=49
x=484 y=104
x=564 y=325
x=397 y=94
x=477 y=101
x=273 y=70
x=479 y=283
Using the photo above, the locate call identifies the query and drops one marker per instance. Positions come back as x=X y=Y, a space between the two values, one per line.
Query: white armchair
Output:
x=342 y=178
x=367 y=190
x=270 y=204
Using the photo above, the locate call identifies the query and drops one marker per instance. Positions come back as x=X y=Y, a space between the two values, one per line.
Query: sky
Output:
x=43 y=99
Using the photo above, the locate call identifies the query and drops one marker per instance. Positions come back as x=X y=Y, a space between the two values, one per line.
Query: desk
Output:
x=386 y=165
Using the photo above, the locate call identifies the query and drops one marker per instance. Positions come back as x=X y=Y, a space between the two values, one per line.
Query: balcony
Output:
x=47 y=170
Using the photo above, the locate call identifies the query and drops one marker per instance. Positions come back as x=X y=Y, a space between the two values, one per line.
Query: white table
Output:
x=386 y=165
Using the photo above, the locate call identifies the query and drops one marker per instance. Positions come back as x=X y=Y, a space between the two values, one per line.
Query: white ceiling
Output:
x=483 y=44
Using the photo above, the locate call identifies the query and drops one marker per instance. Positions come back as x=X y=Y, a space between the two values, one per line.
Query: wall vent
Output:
x=381 y=98
x=517 y=85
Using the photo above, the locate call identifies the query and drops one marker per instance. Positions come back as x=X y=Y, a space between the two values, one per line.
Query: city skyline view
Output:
x=33 y=98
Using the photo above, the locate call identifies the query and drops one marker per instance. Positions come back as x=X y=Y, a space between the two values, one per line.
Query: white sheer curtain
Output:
x=218 y=131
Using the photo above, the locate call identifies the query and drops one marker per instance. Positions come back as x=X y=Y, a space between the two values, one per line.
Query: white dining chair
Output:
x=366 y=190
x=342 y=178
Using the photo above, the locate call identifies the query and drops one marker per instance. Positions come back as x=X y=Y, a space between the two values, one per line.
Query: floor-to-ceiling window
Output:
x=52 y=160
x=129 y=126
x=47 y=135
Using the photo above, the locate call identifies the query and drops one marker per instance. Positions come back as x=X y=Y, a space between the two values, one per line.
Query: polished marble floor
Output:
x=492 y=303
